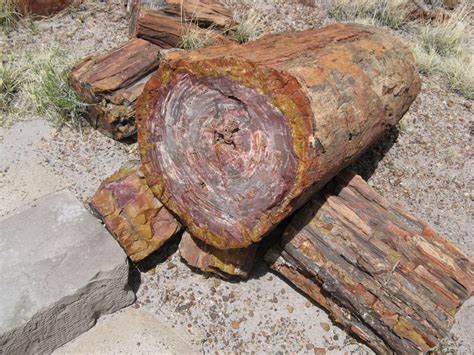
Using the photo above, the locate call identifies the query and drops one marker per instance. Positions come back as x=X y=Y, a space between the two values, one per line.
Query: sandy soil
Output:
x=426 y=165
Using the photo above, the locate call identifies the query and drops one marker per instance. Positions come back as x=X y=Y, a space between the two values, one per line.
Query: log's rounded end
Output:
x=221 y=153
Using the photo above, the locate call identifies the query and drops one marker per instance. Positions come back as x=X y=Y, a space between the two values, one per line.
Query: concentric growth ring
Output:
x=224 y=152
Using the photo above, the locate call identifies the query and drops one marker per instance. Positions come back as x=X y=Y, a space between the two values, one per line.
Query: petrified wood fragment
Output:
x=42 y=7
x=156 y=27
x=205 y=13
x=167 y=31
x=381 y=273
x=225 y=263
x=139 y=222
x=111 y=83
x=235 y=138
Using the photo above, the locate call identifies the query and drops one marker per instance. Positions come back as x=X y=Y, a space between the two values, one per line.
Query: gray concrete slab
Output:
x=59 y=271
x=130 y=331
x=23 y=177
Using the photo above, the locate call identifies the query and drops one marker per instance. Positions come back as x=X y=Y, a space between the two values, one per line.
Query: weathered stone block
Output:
x=59 y=271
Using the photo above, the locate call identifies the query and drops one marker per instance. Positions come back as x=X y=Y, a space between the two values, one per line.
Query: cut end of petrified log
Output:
x=226 y=156
x=139 y=222
x=225 y=263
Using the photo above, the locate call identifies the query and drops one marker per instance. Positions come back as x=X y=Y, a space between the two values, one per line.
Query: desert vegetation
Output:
x=440 y=44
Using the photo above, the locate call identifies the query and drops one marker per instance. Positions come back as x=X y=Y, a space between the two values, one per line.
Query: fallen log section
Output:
x=235 y=138
x=110 y=83
x=381 y=273
x=205 y=13
x=168 y=31
x=42 y=7
x=225 y=263
x=132 y=214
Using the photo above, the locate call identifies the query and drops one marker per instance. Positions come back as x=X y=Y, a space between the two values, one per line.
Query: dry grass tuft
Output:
x=8 y=15
x=10 y=85
x=460 y=75
x=249 y=27
x=390 y=13
x=195 y=37
x=440 y=47
x=445 y=38
x=49 y=93
x=428 y=60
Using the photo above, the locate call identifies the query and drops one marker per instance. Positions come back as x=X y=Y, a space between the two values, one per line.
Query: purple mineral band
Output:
x=224 y=151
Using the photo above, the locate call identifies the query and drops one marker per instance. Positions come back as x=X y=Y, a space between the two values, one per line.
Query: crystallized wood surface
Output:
x=235 y=138
x=139 y=222
x=225 y=263
x=111 y=83
x=42 y=7
x=381 y=273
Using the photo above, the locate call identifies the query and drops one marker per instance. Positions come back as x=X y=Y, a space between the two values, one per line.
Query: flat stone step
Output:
x=59 y=271
x=130 y=331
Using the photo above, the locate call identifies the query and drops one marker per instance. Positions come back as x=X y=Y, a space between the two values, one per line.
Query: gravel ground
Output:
x=426 y=165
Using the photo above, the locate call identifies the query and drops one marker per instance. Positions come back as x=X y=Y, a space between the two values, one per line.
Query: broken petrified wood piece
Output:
x=235 y=138
x=225 y=263
x=42 y=7
x=381 y=273
x=111 y=82
x=204 y=13
x=139 y=222
x=168 y=31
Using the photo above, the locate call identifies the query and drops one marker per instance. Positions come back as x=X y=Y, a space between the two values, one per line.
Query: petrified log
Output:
x=156 y=27
x=235 y=138
x=42 y=7
x=225 y=263
x=205 y=13
x=381 y=273
x=111 y=83
x=132 y=214
x=167 y=31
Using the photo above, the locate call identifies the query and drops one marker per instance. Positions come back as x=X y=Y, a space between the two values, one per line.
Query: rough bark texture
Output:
x=225 y=263
x=235 y=138
x=167 y=31
x=156 y=27
x=205 y=13
x=111 y=83
x=42 y=7
x=132 y=214
x=381 y=273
